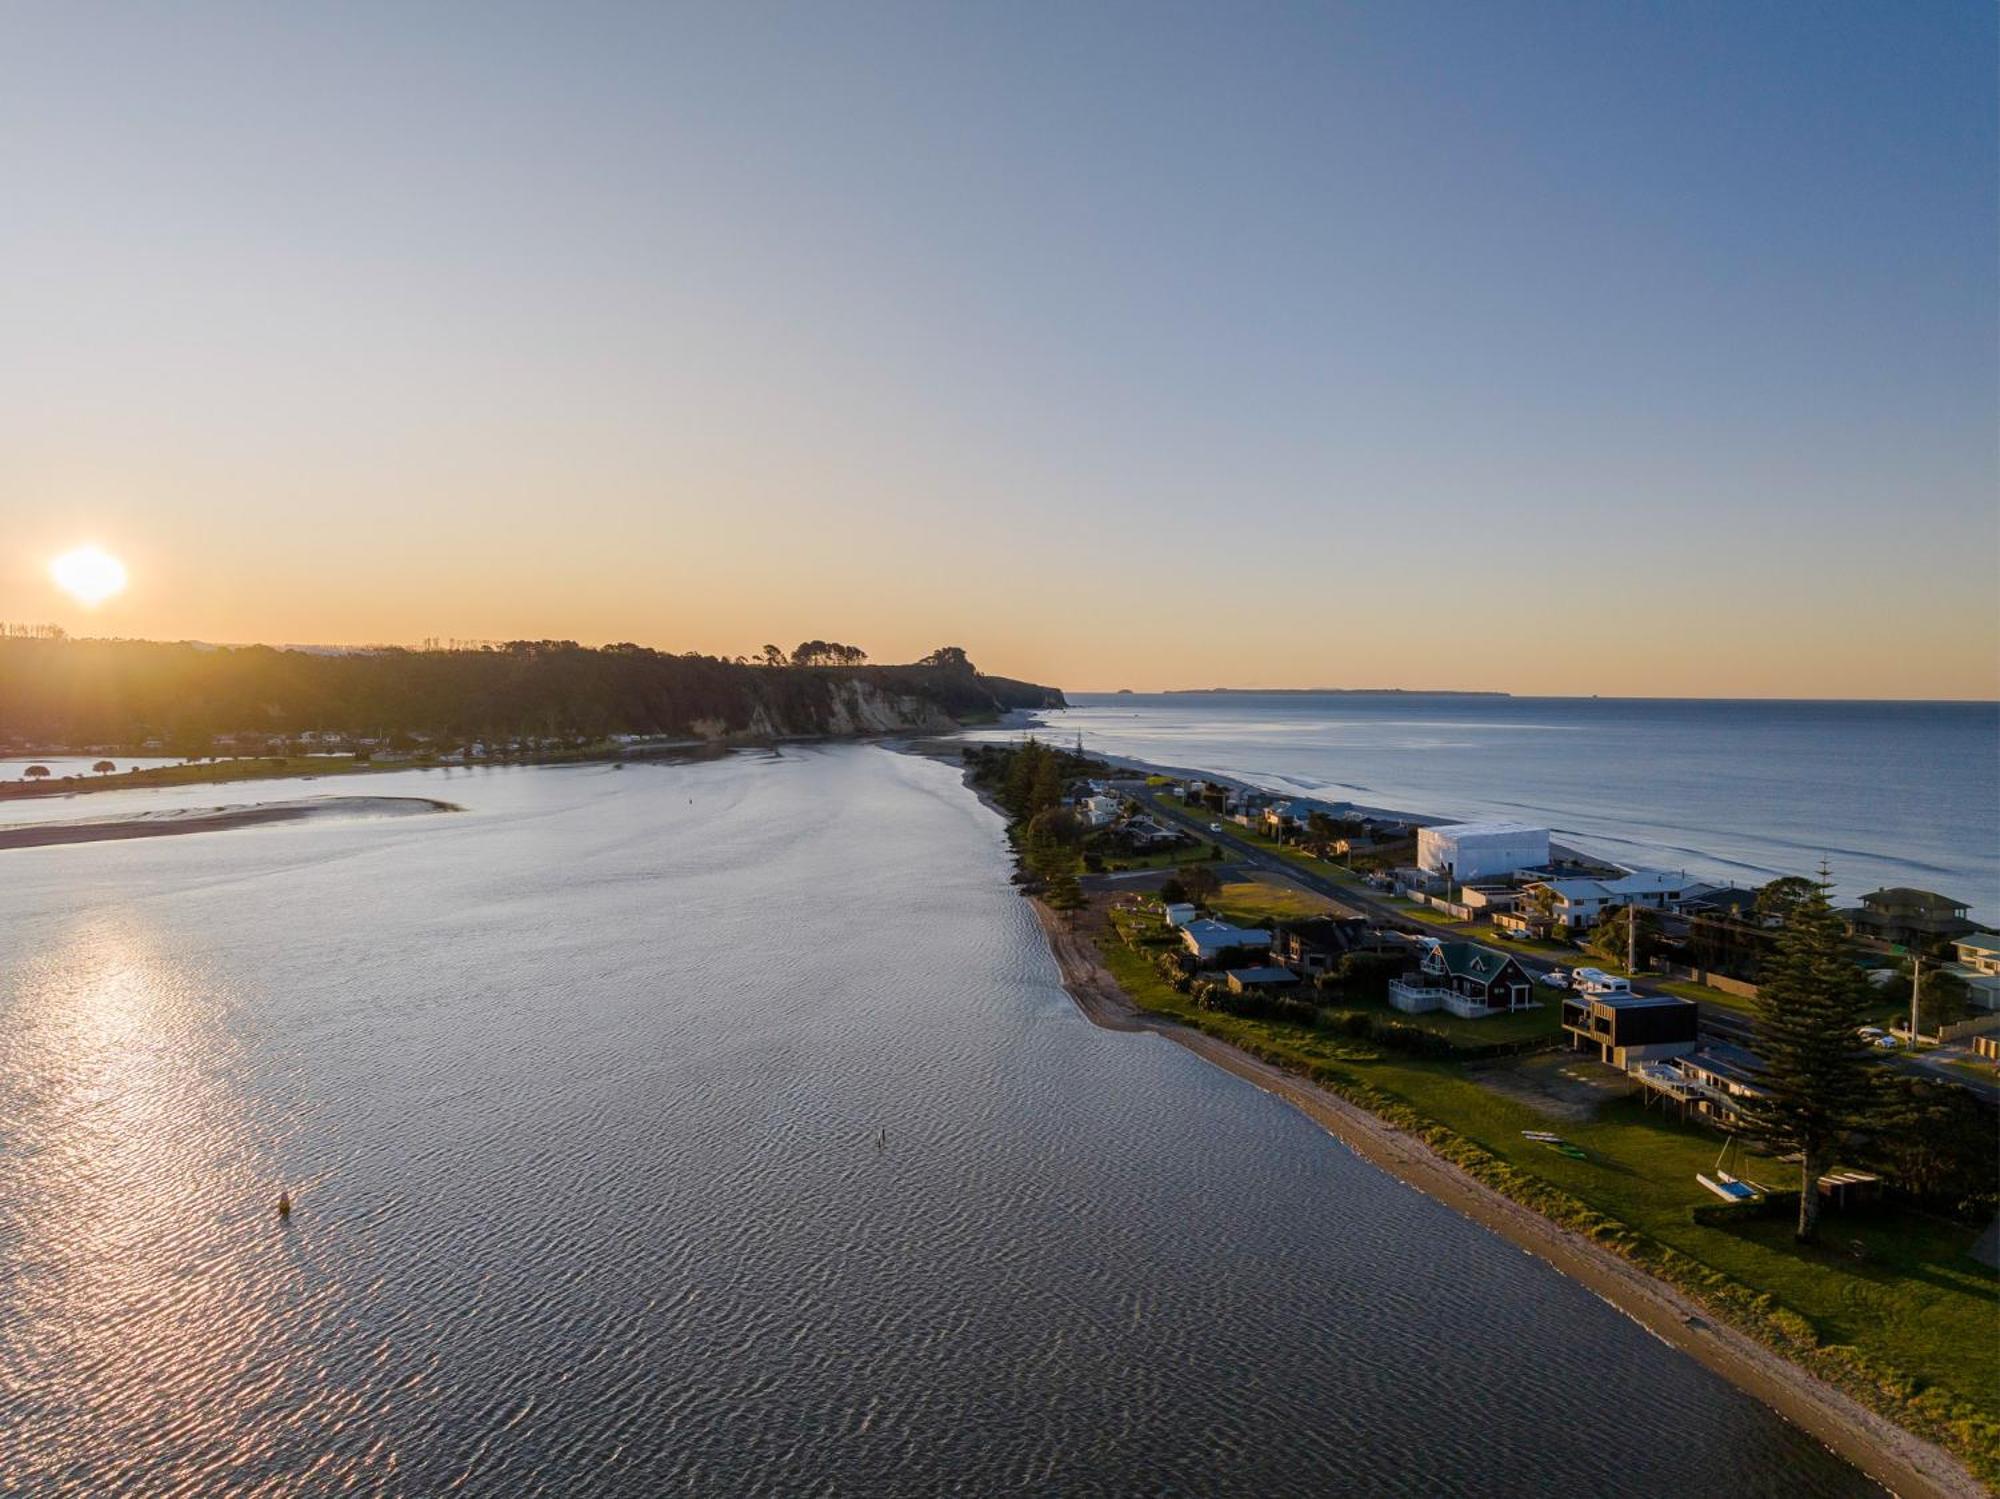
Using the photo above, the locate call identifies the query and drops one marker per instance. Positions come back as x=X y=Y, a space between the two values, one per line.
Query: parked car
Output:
x=1215 y=827
x=1887 y=1043
x=1556 y=978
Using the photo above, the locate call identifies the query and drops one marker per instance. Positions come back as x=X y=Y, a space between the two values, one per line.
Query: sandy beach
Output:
x=1898 y=1459
x=1901 y=1461
x=214 y=819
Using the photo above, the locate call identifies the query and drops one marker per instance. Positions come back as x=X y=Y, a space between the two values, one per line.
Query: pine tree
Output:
x=1811 y=1004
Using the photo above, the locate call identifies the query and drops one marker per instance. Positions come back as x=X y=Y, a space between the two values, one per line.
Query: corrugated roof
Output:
x=1475 y=829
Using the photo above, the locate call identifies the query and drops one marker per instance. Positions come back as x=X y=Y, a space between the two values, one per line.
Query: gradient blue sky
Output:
x=1563 y=348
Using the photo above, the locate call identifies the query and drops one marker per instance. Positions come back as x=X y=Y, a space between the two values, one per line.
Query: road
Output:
x=1717 y=1024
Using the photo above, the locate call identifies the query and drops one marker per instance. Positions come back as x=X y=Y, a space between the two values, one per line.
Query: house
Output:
x=1145 y=835
x=1480 y=850
x=1318 y=945
x=1625 y=1029
x=1098 y=811
x=1281 y=818
x=1727 y=1079
x=1575 y=905
x=1466 y=979
x=1904 y=917
x=1979 y=952
x=1489 y=898
x=1720 y=900
x=1245 y=980
x=1978 y=968
x=1180 y=913
x=1211 y=940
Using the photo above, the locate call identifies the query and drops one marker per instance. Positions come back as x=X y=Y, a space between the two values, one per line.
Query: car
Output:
x=1887 y=1043
x=1870 y=1032
x=1215 y=827
x=1556 y=978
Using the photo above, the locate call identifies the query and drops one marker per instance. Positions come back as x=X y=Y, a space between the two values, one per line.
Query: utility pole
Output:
x=1632 y=937
x=1916 y=987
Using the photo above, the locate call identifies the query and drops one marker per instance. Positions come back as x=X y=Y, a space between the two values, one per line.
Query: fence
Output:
x=1711 y=978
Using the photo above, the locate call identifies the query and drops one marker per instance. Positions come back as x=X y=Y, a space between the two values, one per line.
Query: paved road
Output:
x=1717 y=1024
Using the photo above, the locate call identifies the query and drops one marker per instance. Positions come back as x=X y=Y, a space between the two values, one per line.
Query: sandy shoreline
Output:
x=1906 y=1464
x=213 y=819
x=1901 y=1461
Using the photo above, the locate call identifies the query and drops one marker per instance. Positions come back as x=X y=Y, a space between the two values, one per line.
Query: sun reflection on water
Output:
x=145 y=1161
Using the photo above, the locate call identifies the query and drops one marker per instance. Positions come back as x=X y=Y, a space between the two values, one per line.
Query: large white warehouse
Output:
x=1481 y=850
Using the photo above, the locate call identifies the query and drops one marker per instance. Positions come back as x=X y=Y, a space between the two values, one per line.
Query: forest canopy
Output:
x=128 y=692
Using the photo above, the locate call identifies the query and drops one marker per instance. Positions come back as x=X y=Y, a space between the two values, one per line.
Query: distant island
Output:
x=1332 y=692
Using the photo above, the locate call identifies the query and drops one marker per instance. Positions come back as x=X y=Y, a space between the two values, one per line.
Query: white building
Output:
x=1099 y=811
x=1481 y=850
x=1978 y=968
x=1575 y=905
x=1180 y=913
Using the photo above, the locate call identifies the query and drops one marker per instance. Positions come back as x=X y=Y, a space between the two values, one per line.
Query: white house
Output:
x=1098 y=811
x=1209 y=940
x=1481 y=850
x=1180 y=913
x=1575 y=905
x=1978 y=967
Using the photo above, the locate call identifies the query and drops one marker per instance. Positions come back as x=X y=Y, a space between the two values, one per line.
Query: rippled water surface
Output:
x=578 y=1091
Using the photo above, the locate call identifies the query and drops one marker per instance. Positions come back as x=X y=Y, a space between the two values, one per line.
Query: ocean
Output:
x=581 y=1094
x=1884 y=793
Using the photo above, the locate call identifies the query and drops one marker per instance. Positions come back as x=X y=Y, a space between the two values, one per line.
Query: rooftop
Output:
x=1482 y=829
x=1626 y=1001
x=1905 y=898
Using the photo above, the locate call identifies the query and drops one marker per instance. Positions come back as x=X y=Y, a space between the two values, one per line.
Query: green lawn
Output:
x=1916 y=1301
x=1171 y=858
x=1261 y=902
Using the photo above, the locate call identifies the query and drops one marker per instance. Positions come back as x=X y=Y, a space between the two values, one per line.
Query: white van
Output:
x=1597 y=981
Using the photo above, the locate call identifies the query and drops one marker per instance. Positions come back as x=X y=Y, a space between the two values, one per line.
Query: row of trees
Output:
x=131 y=692
x=814 y=653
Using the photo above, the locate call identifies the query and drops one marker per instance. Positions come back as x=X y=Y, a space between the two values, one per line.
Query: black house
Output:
x=1624 y=1028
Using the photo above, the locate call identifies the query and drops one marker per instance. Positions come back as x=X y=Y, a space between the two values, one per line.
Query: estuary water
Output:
x=581 y=1095
x=1886 y=793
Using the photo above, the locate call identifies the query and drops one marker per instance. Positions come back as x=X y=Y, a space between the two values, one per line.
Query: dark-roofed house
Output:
x=1729 y=1077
x=1243 y=980
x=1910 y=918
x=1468 y=980
x=1625 y=1028
x=1318 y=945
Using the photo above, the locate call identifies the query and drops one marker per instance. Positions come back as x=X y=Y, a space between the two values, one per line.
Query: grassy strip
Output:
x=274 y=768
x=1928 y=1407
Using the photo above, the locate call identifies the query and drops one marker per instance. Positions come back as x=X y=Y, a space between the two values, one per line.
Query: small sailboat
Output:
x=1723 y=1184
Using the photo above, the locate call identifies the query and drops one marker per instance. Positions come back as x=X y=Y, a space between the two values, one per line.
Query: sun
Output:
x=90 y=575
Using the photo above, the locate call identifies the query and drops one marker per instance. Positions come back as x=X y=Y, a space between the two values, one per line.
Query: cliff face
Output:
x=131 y=692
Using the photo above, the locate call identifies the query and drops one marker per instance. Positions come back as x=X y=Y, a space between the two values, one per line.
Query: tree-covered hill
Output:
x=126 y=692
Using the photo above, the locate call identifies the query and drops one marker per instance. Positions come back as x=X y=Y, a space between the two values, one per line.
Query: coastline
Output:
x=1907 y=1464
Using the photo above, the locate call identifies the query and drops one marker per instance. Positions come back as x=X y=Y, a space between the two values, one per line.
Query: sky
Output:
x=1572 y=348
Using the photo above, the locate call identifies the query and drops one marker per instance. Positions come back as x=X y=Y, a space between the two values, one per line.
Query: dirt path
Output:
x=1898 y=1459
